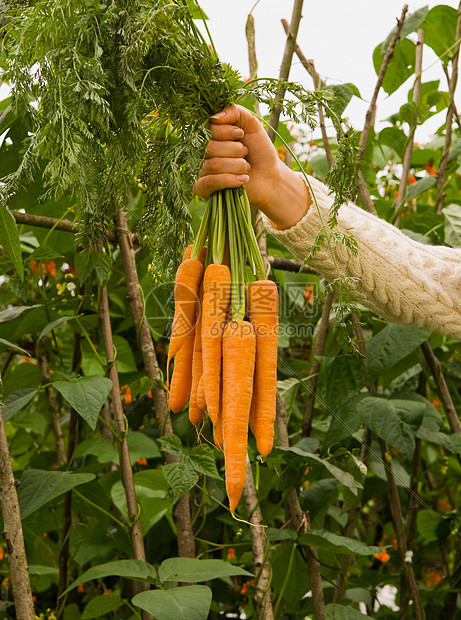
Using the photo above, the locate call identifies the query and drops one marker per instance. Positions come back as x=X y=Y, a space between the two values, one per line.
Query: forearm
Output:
x=401 y=280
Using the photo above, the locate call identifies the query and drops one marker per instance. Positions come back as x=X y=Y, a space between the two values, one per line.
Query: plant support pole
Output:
x=286 y=64
x=13 y=535
x=182 y=516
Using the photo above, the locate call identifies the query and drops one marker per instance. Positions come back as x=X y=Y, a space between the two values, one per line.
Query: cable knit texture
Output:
x=401 y=280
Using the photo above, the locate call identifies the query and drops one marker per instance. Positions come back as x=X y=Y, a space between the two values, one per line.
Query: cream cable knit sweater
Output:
x=401 y=280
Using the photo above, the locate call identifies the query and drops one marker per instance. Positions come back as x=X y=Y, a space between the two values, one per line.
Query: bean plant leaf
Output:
x=181 y=478
x=340 y=612
x=327 y=541
x=86 y=395
x=452 y=215
x=203 y=462
x=38 y=487
x=390 y=345
x=395 y=421
x=101 y=605
x=9 y=240
x=411 y=23
x=17 y=401
x=342 y=476
x=191 y=570
x=440 y=31
x=171 y=444
x=183 y=603
x=11 y=345
x=401 y=66
x=130 y=569
x=420 y=187
x=57 y=323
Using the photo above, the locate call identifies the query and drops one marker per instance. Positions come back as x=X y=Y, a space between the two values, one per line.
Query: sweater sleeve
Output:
x=401 y=280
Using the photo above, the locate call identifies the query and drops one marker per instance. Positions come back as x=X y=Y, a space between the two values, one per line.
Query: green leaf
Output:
x=101 y=605
x=17 y=401
x=203 y=462
x=171 y=444
x=421 y=186
x=427 y=523
x=9 y=240
x=401 y=66
x=85 y=262
x=344 y=92
x=125 y=358
x=130 y=569
x=411 y=23
x=390 y=345
x=102 y=268
x=12 y=313
x=191 y=570
x=181 y=478
x=184 y=603
x=452 y=215
x=342 y=376
x=11 y=345
x=141 y=446
x=43 y=570
x=395 y=421
x=440 y=30
x=340 y=612
x=343 y=477
x=57 y=323
x=327 y=541
x=38 y=487
x=43 y=252
x=86 y=395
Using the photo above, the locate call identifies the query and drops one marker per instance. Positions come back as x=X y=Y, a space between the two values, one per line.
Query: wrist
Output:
x=289 y=199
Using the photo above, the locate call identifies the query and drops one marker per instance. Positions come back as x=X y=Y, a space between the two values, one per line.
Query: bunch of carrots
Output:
x=224 y=335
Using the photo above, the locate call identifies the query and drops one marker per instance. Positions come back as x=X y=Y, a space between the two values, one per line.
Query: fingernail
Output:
x=245 y=151
x=237 y=132
x=243 y=178
x=219 y=115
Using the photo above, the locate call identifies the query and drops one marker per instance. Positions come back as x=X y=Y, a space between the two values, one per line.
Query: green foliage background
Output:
x=50 y=294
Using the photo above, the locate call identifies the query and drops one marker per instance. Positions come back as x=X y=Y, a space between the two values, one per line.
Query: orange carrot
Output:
x=181 y=380
x=216 y=293
x=239 y=349
x=217 y=432
x=201 y=402
x=188 y=252
x=195 y=412
x=263 y=306
x=186 y=287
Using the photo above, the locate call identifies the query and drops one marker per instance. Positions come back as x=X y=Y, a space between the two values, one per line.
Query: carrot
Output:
x=239 y=349
x=181 y=380
x=201 y=402
x=196 y=413
x=263 y=313
x=188 y=251
x=218 y=432
x=216 y=294
x=186 y=287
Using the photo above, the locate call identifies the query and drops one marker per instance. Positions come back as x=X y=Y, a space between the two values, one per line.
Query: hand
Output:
x=241 y=153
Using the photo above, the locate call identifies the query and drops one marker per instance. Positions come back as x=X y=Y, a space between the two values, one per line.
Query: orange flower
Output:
x=308 y=293
x=436 y=402
x=445 y=505
x=141 y=461
x=382 y=556
x=281 y=153
x=244 y=587
x=230 y=553
x=128 y=395
x=80 y=587
x=44 y=535
x=432 y=171
x=108 y=591
x=411 y=179
x=51 y=268
x=34 y=598
x=1 y=553
x=149 y=394
x=159 y=347
x=433 y=578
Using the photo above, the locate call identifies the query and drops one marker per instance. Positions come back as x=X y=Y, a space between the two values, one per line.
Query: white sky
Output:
x=340 y=35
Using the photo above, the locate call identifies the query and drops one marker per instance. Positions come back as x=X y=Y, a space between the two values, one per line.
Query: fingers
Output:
x=235 y=115
x=210 y=183
x=226 y=149
x=222 y=165
x=226 y=132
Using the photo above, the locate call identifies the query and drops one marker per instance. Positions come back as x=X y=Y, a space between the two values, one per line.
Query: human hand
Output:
x=241 y=153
